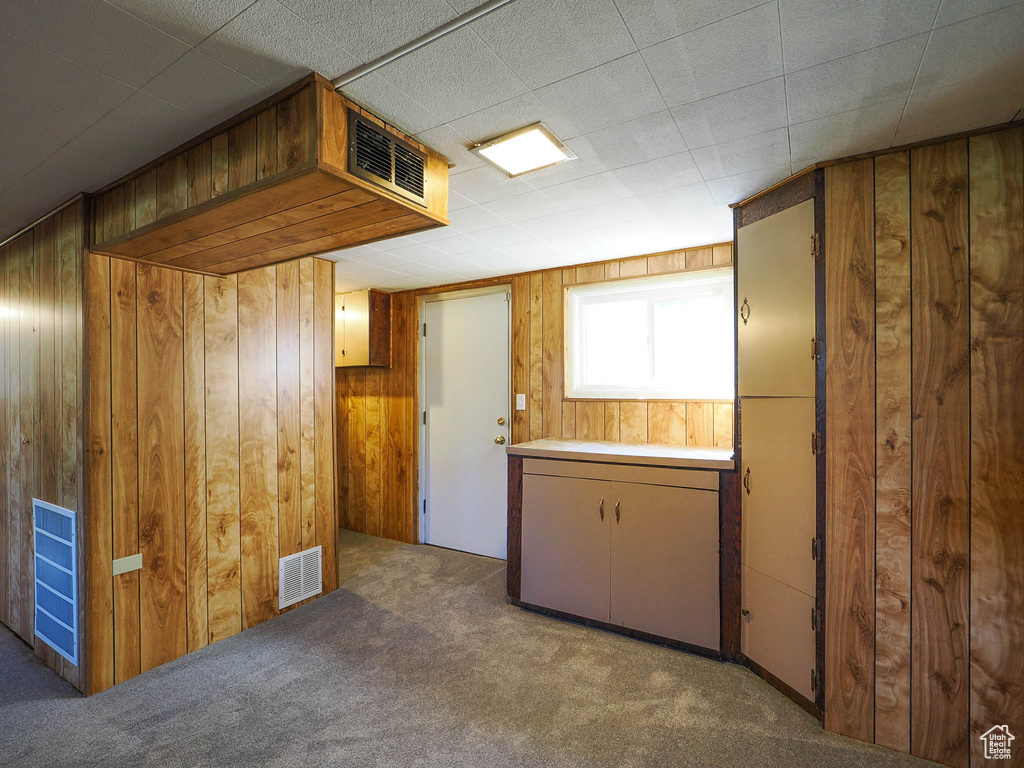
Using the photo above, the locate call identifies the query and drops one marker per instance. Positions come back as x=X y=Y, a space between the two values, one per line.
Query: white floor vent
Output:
x=300 y=576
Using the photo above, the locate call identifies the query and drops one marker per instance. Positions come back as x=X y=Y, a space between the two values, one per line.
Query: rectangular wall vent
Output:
x=386 y=160
x=56 y=578
x=300 y=576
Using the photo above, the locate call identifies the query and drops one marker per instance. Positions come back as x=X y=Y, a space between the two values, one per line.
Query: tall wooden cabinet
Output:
x=362 y=329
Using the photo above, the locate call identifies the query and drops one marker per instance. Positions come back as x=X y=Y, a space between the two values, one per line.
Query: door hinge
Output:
x=815 y=348
x=508 y=296
x=424 y=330
x=815 y=246
x=424 y=417
x=815 y=548
x=424 y=506
x=816 y=445
x=814 y=619
x=814 y=680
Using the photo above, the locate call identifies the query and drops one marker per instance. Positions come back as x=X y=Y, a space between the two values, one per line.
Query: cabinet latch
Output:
x=815 y=348
x=816 y=445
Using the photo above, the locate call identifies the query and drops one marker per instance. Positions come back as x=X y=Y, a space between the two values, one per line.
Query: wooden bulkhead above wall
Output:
x=270 y=185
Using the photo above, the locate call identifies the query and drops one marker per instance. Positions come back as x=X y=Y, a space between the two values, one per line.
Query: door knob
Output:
x=500 y=439
x=501 y=421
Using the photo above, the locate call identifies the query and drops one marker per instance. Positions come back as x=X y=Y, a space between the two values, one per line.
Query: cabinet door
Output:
x=565 y=545
x=779 y=491
x=775 y=292
x=777 y=630
x=339 y=330
x=357 y=328
x=664 y=562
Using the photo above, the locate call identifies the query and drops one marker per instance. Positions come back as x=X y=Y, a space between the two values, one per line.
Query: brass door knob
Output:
x=500 y=439
x=501 y=421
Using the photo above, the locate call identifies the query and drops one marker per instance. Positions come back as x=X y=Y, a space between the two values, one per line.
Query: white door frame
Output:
x=423 y=491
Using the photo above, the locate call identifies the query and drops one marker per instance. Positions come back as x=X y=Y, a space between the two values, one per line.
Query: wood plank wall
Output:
x=40 y=406
x=377 y=408
x=210 y=451
x=925 y=447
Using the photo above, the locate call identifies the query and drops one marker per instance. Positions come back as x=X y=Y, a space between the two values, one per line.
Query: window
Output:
x=666 y=337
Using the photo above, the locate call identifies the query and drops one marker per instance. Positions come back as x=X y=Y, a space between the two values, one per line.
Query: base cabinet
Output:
x=632 y=555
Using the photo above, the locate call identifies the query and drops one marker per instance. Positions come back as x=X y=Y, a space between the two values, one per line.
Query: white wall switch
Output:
x=520 y=402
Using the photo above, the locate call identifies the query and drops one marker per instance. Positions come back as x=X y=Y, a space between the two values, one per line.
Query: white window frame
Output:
x=648 y=288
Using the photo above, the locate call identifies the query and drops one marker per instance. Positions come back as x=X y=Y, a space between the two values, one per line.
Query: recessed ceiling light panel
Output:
x=524 y=150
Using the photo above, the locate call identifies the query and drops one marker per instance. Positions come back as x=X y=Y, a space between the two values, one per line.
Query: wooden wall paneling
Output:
x=700 y=424
x=666 y=423
x=589 y=416
x=343 y=397
x=401 y=413
x=28 y=391
x=222 y=457
x=698 y=258
x=161 y=465
x=721 y=255
x=724 y=418
x=200 y=174
x=219 y=164
x=357 y=449
x=611 y=420
x=412 y=414
x=850 y=452
x=172 y=185
x=99 y=637
x=258 y=443
x=892 y=450
x=633 y=421
x=307 y=405
x=997 y=437
x=289 y=405
x=242 y=154
x=196 y=533
x=673 y=261
x=941 y=454
x=266 y=143
x=323 y=364
x=295 y=129
x=145 y=201
x=633 y=267
x=6 y=312
x=373 y=406
x=124 y=426
x=553 y=383
x=568 y=408
x=535 y=398
x=520 y=355
x=384 y=417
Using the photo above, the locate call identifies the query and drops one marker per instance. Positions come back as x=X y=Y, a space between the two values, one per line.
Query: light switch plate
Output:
x=128 y=564
x=520 y=402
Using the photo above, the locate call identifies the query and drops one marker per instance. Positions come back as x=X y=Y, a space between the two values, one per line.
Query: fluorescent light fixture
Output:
x=524 y=150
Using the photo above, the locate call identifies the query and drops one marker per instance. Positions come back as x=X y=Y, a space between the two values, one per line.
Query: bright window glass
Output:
x=665 y=337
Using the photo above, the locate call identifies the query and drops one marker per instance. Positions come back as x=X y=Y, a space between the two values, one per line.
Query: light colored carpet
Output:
x=417 y=661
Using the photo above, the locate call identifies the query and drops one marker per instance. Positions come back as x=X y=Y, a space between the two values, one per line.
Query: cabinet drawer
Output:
x=624 y=473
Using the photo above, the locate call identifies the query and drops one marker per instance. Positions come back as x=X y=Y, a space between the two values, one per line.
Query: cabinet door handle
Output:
x=745 y=311
x=617 y=505
x=602 y=509
x=746 y=481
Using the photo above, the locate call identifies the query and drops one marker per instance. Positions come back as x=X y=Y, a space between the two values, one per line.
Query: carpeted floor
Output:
x=417 y=661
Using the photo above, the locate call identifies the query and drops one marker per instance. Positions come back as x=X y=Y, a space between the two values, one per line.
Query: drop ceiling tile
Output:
x=652 y=21
x=205 y=87
x=415 y=251
x=733 y=115
x=877 y=75
x=453 y=145
x=371 y=29
x=391 y=103
x=729 y=158
x=816 y=31
x=547 y=40
x=428 y=272
x=454 y=76
x=974 y=52
x=554 y=226
x=539 y=252
x=492 y=258
x=94 y=34
x=592 y=190
x=633 y=142
x=953 y=11
x=942 y=111
x=271 y=45
x=387 y=259
x=610 y=94
x=835 y=136
x=484 y=184
x=701 y=226
x=731 y=189
x=614 y=213
x=660 y=174
x=187 y=20
x=473 y=219
x=498 y=237
x=738 y=51
x=429 y=235
x=457 y=202
x=456 y=245
x=517 y=112
x=665 y=206
x=455 y=264
x=531 y=205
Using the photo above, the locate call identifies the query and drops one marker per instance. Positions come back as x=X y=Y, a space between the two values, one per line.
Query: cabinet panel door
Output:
x=776 y=631
x=565 y=545
x=779 y=510
x=775 y=280
x=664 y=562
x=357 y=328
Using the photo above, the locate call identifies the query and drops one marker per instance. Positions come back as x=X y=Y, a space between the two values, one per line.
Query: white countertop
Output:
x=647 y=454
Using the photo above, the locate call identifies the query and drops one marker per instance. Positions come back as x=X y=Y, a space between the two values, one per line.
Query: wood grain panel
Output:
x=724 y=425
x=700 y=423
x=520 y=355
x=666 y=423
x=661 y=263
x=28 y=390
x=125 y=466
x=323 y=376
x=266 y=143
x=196 y=534
x=161 y=465
x=892 y=450
x=997 y=437
x=536 y=392
x=307 y=405
x=941 y=454
x=633 y=422
x=568 y=408
x=700 y=258
x=850 y=452
x=553 y=382
x=611 y=421
x=242 y=154
x=295 y=130
x=357 y=449
x=145 y=198
x=373 y=470
x=289 y=406
x=633 y=267
x=219 y=164
x=222 y=460
x=172 y=186
x=589 y=420
x=200 y=174
x=6 y=311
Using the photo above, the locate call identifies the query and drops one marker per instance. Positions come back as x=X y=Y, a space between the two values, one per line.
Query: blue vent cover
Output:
x=56 y=572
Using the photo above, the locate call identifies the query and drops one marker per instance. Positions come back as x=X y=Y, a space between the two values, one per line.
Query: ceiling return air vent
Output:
x=300 y=576
x=386 y=160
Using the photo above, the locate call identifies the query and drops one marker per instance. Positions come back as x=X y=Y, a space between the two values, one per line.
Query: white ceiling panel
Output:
x=591 y=190
x=454 y=76
x=880 y=74
x=487 y=183
x=456 y=244
x=762 y=150
x=454 y=264
x=392 y=103
x=531 y=205
x=954 y=109
x=652 y=21
x=732 y=115
x=410 y=251
x=453 y=145
x=958 y=10
x=610 y=94
x=636 y=141
x=658 y=175
x=816 y=31
x=517 y=112
x=547 y=40
x=473 y=219
x=205 y=87
x=731 y=189
x=740 y=50
x=94 y=34
x=859 y=130
x=271 y=45
x=499 y=237
x=191 y=21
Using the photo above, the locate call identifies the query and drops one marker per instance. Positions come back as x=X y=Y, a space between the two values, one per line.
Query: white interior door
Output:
x=466 y=397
